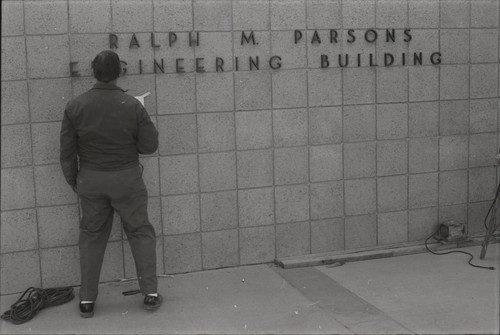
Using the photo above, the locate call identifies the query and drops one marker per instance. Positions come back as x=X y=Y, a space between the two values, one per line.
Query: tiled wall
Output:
x=254 y=165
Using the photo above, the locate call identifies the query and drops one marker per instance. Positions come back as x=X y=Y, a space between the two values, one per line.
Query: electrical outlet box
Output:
x=451 y=231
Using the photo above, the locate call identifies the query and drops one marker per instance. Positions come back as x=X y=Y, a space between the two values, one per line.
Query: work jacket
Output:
x=104 y=129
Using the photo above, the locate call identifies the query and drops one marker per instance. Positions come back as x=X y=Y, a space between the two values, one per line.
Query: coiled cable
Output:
x=35 y=299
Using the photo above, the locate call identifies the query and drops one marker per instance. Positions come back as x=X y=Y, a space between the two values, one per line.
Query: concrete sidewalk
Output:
x=414 y=294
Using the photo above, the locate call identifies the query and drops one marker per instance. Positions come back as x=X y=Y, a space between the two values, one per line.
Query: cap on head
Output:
x=106 y=66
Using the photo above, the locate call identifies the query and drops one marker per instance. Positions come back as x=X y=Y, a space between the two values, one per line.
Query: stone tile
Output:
x=389 y=53
x=19 y=231
x=12 y=18
x=392 y=121
x=212 y=15
x=392 y=227
x=327 y=200
x=482 y=184
x=358 y=14
x=483 y=115
x=358 y=86
x=252 y=90
x=219 y=211
x=360 y=160
x=182 y=253
x=18 y=189
x=46 y=17
x=453 y=82
x=259 y=19
x=84 y=48
x=256 y=207
x=14 y=102
x=13 y=66
x=423 y=119
x=483 y=80
x=323 y=48
x=484 y=13
x=20 y=270
x=452 y=187
x=254 y=130
x=325 y=162
x=482 y=149
x=255 y=168
x=213 y=45
x=453 y=152
x=475 y=218
x=325 y=125
x=151 y=175
x=454 y=117
x=292 y=239
x=454 y=212
x=181 y=214
x=216 y=132
x=423 y=190
x=289 y=89
x=360 y=196
x=291 y=165
x=392 y=193
x=177 y=134
x=454 y=13
x=292 y=203
x=454 y=45
x=179 y=174
x=327 y=235
x=423 y=83
x=48 y=98
x=392 y=13
x=89 y=16
x=392 y=157
x=425 y=41
x=324 y=14
x=422 y=223
x=290 y=127
x=178 y=93
x=16 y=145
x=423 y=14
x=293 y=55
x=61 y=266
x=360 y=231
x=131 y=16
x=46 y=142
x=140 y=57
x=172 y=15
x=484 y=45
x=392 y=84
x=324 y=87
x=58 y=226
x=178 y=54
x=257 y=245
x=51 y=186
x=359 y=123
x=129 y=263
x=252 y=52
x=220 y=249
x=48 y=56
x=424 y=154
x=217 y=171
x=287 y=14
x=215 y=92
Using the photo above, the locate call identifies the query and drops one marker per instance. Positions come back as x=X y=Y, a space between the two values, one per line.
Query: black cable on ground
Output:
x=35 y=299
x=456 y=251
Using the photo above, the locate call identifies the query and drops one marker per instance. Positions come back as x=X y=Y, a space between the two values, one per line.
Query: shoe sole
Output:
x=152 y=308
x=87 y=315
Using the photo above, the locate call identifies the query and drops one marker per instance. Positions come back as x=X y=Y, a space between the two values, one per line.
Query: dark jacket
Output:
x=104 y=129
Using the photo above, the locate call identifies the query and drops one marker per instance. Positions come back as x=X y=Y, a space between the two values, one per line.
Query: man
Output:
x=102 y=134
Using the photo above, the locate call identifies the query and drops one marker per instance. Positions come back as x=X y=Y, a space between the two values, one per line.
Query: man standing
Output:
x=102 y=134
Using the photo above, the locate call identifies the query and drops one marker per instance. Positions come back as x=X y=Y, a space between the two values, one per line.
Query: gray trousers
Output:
x=101 y=193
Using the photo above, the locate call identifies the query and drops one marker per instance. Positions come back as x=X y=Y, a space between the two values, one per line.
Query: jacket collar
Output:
x=107 y=86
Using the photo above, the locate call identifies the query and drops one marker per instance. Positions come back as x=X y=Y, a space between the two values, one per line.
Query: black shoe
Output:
x=87 y=310
x=152 y=302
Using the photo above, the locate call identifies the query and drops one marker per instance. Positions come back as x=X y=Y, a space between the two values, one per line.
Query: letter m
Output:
x=245 y=38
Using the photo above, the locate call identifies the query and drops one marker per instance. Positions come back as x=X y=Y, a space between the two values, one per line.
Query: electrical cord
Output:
x=35 y=299
x=456 y=251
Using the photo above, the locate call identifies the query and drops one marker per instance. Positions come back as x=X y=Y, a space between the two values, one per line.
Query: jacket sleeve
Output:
x=68 y=150
x=147 y=135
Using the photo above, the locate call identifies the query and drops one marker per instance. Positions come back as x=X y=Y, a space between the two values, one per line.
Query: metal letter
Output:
x=134 y=42
x=153 y=41
x=113 y=41
x=324 y=61
x=197 y=40
x=178 y=66
x=390 y=34
x=374 y=35
x=161 y=68
x=245 y=38
x=408 y=35
x=388 y=59
x=434 y=60
x=315 y=38
x=417 y=58
x=72 y=71
x=172 y=37
x=298 y=36
x=218 y=64
x=346 y=60
x=350 y=32
x=333 y=36
x=278 y=64
x=199 y=67
x=253 y=63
